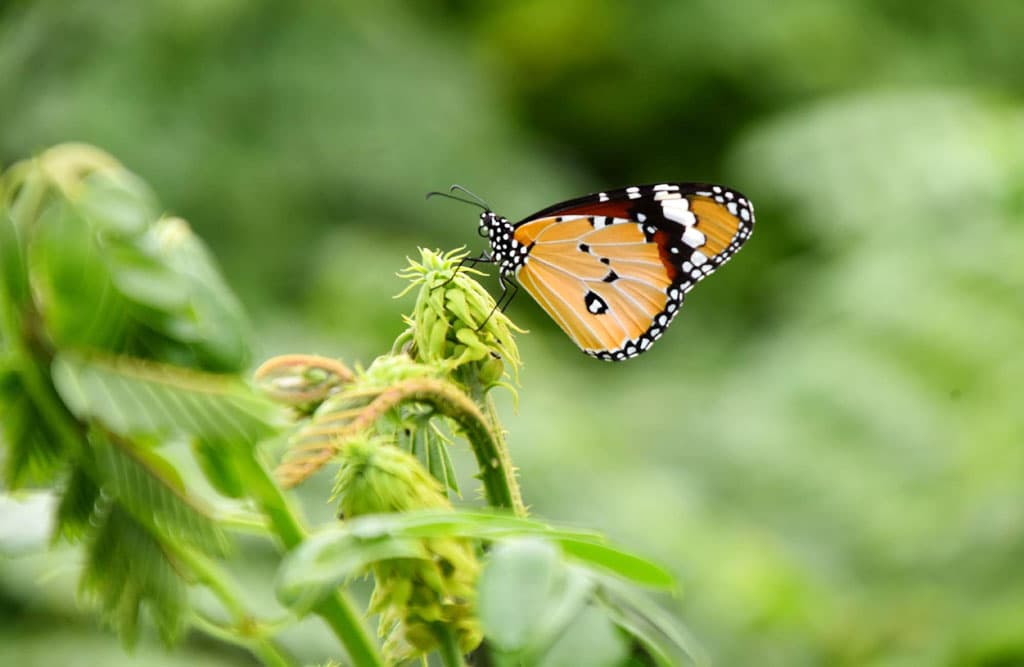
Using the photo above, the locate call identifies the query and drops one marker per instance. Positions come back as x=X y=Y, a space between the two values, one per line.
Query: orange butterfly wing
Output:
x=613 y=269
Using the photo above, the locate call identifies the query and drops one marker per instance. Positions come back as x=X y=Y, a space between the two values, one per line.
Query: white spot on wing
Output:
x=678 y=210
x=693 y=238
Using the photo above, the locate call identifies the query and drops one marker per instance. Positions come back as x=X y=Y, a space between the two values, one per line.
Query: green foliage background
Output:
x=828 y=446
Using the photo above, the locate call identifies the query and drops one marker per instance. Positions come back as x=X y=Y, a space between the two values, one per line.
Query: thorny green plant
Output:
x=120 y=341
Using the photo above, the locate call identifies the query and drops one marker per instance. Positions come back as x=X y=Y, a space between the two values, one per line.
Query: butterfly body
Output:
x=613 y=268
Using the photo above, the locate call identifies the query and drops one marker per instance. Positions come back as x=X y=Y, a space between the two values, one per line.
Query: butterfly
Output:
x=612 y=268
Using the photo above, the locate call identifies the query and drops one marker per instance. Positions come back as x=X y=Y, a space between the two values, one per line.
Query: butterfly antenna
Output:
x=471 y=194
x=464 y=201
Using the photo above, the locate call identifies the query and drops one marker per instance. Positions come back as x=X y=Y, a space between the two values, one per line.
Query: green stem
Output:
x=337 y=610
x=500 y=458
x=448 y=646
x=222 y=586
x=496 y=472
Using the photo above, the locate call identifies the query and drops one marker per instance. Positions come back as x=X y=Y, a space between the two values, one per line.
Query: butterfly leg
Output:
x=484 y=258
x=509 y=289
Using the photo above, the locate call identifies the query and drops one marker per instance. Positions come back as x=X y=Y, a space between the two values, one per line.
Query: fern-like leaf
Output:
x=79 y=504
x=33 y=453
x=150 y=489
x=126 y=569
x=132 y=397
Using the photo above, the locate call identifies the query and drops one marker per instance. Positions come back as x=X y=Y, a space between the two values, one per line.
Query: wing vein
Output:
x=567 y=305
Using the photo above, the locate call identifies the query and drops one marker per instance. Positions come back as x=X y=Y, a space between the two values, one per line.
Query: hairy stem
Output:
x=500 y=486
x=500 y=456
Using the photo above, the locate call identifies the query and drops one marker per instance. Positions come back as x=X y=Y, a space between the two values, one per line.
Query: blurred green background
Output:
x=827 y=447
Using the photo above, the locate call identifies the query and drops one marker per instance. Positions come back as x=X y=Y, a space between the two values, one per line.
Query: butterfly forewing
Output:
x=612 y=269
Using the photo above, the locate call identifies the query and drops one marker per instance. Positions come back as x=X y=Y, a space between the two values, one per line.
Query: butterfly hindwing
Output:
x=612 y=269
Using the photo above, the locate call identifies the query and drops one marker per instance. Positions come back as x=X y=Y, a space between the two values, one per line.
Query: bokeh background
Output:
x=827 y=447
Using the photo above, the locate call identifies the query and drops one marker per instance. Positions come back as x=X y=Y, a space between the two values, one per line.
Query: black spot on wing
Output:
x=595 y=304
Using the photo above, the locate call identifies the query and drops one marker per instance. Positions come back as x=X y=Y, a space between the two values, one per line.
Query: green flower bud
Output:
x=411 y=595
x=455 y=324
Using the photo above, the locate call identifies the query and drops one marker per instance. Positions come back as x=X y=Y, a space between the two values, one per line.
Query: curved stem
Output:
x=496 y=472
x=222 y=586
x=337 y=610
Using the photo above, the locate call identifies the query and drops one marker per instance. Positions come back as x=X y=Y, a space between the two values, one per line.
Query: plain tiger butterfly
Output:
x=612 y=269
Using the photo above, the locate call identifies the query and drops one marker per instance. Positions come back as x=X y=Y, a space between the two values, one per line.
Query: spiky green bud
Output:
x=454 y=324
x=411 y=595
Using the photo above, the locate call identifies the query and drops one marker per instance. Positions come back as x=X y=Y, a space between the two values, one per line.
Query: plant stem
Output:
x=500 y=486
x=263 y=649
x=485 y=438
x=448 y=646
x=222 y=586
x=337 y=610
x=500 y=457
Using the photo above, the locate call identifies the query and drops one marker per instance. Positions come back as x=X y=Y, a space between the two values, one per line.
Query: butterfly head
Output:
x=506 y=252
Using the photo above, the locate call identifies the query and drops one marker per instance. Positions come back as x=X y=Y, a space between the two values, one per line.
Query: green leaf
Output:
x=13 y=272
x=109 y=275
x=78 y=301
x=217 y=461
x=451 y=523
x=431 y=447
x=152 y=491
x=213 y=321
x=132 y=397
x=447 y=468
x=327 y=560
x=616 y=561
x=126 y=568
x=591 y=640
x=79 y=504
x=584 y=546
x=33 y=452
x=117 y=202
x=527 y=595
x=664 y=637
